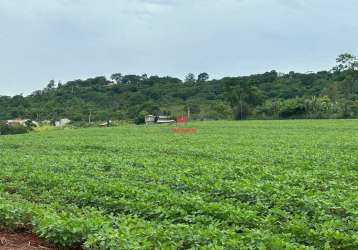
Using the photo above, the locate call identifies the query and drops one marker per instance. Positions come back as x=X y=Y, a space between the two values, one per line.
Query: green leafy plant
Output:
x=232 y=185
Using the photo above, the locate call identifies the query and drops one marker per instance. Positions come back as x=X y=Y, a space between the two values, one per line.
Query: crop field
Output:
x=232 y=185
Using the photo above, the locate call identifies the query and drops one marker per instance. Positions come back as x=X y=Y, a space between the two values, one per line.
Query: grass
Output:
x=232 y=185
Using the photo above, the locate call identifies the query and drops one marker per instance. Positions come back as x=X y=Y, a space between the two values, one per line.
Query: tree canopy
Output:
x=271 y=95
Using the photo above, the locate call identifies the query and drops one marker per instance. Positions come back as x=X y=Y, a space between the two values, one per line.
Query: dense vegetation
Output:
x=13 y=129
x=6 y=129
x=233 y=185
x=325 y=94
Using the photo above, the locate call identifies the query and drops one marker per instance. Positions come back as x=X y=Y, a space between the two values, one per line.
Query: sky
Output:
x=65 y=40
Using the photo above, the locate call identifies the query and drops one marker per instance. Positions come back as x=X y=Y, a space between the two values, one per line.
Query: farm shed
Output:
x=21 y=122
x=62 y=122
x=165 y=119
x=149 y=119
x=158 y=119
x=106 y=124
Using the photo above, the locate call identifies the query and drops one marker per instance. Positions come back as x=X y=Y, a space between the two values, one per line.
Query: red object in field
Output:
x=184 y=130
x=182 y=119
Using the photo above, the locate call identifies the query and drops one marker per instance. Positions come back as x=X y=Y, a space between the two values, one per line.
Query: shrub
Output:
x=140 y=118
x=13 y=129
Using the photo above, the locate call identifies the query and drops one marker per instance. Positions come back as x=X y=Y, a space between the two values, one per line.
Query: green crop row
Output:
x=233 y=185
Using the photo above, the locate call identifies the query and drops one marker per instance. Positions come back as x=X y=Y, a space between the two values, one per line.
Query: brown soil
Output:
x=22 y=241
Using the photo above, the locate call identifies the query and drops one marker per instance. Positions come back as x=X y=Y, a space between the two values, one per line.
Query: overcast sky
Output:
x=70 y=39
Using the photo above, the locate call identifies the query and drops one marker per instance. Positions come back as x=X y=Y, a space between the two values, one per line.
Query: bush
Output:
x=140 y=118
x=293 y=109
x=13 y=129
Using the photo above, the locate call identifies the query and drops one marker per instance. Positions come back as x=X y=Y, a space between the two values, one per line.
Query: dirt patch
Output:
x=22 y=241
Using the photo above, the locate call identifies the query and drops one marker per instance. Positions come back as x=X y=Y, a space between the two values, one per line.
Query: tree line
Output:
x=271 y=95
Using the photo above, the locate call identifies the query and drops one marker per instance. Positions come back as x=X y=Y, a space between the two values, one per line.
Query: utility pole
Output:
x=89 y=117
x=240 y=106
x=188 y=112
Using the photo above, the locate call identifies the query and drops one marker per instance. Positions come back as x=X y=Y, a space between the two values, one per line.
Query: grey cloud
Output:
x=68 y=39
x=294 y=4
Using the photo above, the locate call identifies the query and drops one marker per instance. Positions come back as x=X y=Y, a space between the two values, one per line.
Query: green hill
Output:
x=325 y=94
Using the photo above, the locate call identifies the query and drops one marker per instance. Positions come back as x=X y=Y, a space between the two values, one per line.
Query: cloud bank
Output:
x=68 y=39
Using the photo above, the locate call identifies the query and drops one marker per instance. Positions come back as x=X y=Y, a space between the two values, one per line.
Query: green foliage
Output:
x=347 y=62
x=203 y=77
x=14 y=129
x=190 y=79
x=233 y=185
x=268 y=96
x=140 y=118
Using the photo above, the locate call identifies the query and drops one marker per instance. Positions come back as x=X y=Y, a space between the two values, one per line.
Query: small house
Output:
x=165 y=119
x=158 y=119
x=62 y=122
x=22 y=122
x=106 y=124
x=149 y=119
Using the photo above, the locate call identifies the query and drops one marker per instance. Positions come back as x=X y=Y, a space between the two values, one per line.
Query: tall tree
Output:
x=242 y=96
x=117 y=77
x=203 y=77
x=190 y=78
x=346 y=62
x=51 y=85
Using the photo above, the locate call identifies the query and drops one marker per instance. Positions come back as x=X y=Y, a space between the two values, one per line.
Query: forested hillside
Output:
x=271 y=95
